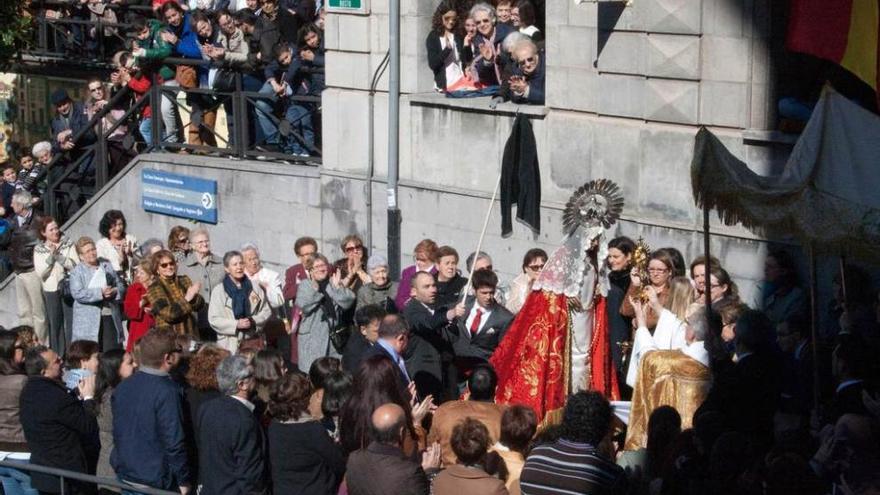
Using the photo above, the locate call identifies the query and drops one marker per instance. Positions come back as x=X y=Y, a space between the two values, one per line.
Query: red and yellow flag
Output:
x=842 y=31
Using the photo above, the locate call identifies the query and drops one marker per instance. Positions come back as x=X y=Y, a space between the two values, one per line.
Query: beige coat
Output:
x=463 y=480
x=223 y=321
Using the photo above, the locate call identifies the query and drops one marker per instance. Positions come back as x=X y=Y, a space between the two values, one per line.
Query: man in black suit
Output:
x=382 y=468
x=367 y=319
x=479 y=332
x=61 y=432
x=232 y=448
x=431 y=324
x=792 y=336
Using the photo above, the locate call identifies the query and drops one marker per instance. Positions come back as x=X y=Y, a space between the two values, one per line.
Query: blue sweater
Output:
x=148 y=436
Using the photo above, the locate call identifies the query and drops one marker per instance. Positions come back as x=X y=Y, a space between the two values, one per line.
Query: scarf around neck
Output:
x=241 y=304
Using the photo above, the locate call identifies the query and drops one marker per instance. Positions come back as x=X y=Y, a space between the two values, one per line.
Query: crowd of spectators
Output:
x=170 y=366
x=475 y=46
x=275 y=47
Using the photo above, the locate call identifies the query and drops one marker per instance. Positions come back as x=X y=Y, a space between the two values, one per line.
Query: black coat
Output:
x=520 y=178
x=429 y=339
x=304 y=459
x=437 y=57
x=59 y=429
x=356 y=349
x=619 y=326
x=232 y=449
x=384 y=470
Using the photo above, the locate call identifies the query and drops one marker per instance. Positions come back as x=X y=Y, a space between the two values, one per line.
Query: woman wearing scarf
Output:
x=321 y=298
x=174 y=299
x=238 y=310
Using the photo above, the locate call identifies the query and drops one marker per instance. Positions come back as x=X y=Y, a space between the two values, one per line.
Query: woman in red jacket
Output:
x=136 y=305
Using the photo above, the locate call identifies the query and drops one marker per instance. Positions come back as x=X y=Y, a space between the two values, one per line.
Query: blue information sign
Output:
x=179 y=195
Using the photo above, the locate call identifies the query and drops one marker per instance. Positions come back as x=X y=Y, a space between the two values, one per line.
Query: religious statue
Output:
x=559 y=344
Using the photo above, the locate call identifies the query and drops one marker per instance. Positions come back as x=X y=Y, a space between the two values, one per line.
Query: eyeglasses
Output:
x=167 y=264
x=99 y=88
x=657 y=270
x=351 y=249
x=528 y=60
x=204 y=241
x=536 y=268
x=483 y=21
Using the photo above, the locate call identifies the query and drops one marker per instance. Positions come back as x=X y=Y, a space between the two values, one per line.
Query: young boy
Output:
x=7 y=189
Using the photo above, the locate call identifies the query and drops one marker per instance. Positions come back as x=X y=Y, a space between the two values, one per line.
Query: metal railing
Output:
x=88 y=166
x=65 y=475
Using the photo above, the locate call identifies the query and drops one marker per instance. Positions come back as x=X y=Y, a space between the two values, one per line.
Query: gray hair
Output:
x=513 y=39
x=250 y=246
x=197 y=232
x=227 y=258
x=149 y=245
x=474 y=257
x=40 y=147
x=483 y=7
x=699 y=323
x=519 y=44
x=23 y=199
x=376 y=261
x=230 y=371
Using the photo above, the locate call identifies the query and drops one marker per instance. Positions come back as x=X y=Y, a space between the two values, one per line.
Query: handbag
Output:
x=339 y=337
x=64 y=289
x=186 y=77
x=224 y=80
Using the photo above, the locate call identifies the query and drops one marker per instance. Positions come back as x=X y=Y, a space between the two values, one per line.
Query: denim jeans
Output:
x=300 y=119
x=146 y=130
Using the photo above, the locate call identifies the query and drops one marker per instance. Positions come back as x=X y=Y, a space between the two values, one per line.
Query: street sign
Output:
x=180 y=196
x=348 y=6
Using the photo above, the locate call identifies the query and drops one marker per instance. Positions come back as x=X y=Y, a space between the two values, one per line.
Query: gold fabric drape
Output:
x=665 y=378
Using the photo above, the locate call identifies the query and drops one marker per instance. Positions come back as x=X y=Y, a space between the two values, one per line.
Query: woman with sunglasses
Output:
x=533 y=263
x=445 y=48
x=178 y=242
x=174 y=299
x=488 y=41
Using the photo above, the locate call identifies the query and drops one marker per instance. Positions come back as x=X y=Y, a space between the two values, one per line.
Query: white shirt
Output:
x=248 y=404
x=273 y=279
x=473 y=314
x=670 y=334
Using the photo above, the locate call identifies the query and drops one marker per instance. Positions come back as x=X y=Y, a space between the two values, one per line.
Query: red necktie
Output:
x=475 y=325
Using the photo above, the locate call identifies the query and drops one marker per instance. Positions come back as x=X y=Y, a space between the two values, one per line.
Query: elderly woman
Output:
x=53 y=260
x=381 y=290
x=488 y=42
x=116 y=246
x=321 y=298
x=238 y=310
x=521 y=286
x=303 y=457
x=445 y=48
x=174 y=298
x=352 y=266
x=660 y=270
x=98 y=293
x=424 y=255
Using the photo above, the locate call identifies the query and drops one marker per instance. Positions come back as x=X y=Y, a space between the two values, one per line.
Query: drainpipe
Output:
x=393 y=138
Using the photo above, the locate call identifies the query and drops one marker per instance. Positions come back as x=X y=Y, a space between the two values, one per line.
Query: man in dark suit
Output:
x=382 y=468
x=70 y=119
x=232 y=448
x=432 y=325
x=393 y=340
x=481 y=330
x=367 y=319
x=59 y=430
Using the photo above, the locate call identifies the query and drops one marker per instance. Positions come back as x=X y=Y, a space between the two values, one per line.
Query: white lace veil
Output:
x=564 y=271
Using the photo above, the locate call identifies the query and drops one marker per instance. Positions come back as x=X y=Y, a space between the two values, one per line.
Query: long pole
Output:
x=393 y=137
x=708 y=265
x=464 y=293
x=814 y=313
